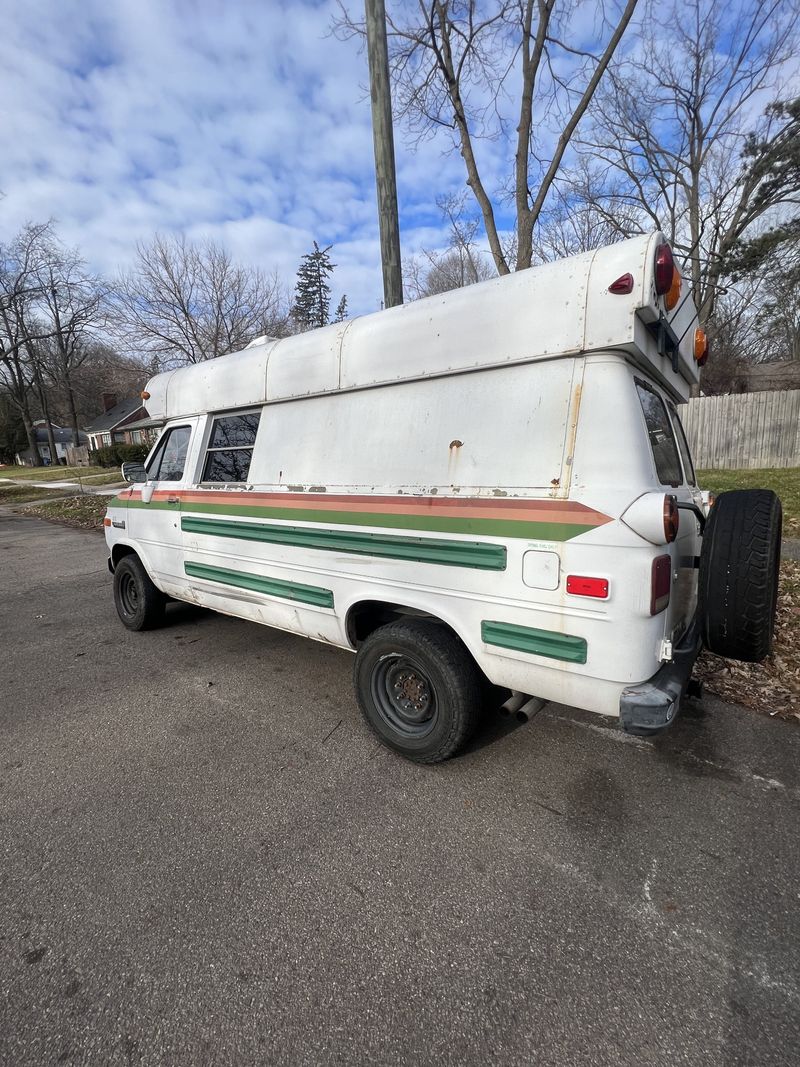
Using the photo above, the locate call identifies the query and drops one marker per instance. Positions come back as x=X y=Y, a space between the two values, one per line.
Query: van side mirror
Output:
x=134 y=472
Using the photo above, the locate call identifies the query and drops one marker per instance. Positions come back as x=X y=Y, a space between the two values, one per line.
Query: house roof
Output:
x=61 y=436
x=782 y=374
x=145 y=424
x=114 y=416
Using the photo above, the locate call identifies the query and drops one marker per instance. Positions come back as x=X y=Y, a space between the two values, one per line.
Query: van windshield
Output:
x=661 y=434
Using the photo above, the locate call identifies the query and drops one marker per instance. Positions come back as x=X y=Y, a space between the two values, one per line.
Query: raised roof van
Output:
x=492 y=483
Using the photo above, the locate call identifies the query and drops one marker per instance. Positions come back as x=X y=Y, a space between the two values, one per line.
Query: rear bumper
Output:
x=650 y=707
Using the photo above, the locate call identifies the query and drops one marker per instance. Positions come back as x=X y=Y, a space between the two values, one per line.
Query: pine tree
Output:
x=341 y=309
x=312 y=299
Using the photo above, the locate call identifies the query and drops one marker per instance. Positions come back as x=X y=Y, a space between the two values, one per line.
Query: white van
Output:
x=488 y=484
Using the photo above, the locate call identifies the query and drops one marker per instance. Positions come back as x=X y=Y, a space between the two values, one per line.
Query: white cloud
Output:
x=246 y=122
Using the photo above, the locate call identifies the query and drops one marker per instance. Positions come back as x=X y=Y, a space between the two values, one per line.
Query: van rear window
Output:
x=662 y=437
x=230 y=447
x=683 y=445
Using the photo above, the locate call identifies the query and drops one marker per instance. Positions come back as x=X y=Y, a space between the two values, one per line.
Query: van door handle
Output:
x=173 y=500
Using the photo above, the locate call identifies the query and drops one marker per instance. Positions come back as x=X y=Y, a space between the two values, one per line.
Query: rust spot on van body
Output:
x=572 y=433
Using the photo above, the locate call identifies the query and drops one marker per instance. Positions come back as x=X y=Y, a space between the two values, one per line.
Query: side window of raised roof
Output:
x=230 y=447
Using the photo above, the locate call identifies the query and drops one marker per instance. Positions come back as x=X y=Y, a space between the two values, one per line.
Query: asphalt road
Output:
x=207 y=858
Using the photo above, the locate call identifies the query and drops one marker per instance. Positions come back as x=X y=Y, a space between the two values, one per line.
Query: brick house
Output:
x=114 y=426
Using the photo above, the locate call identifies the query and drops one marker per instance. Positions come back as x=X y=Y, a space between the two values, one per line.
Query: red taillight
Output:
x=665 y=266
x=623 y=284
x=671 y=518
x=660 y=584
x=106 y=522
x=579 y=586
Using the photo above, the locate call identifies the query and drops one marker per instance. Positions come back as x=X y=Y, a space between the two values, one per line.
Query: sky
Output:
x=246 y=122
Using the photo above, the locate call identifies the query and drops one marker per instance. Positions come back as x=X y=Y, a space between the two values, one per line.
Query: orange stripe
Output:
x=515 y=508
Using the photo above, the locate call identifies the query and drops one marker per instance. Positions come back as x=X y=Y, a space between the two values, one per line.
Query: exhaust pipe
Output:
x=529 y=709
x=513 y=704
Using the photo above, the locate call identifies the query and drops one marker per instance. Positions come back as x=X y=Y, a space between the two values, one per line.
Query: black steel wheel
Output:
x=140 y=605
x=404 y=695
x=419 y=689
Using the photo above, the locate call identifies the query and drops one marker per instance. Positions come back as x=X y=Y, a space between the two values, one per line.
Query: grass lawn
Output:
x=85 y=512
x=784 y=480
x=19 y=494
x=54 y=473
x=109 y=477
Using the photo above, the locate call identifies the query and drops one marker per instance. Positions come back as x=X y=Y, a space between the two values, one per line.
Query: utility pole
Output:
x=383 y=137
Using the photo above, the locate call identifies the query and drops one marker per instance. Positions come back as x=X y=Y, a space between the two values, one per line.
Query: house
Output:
x=63 y=440
x=782 y=374
x=115 y=425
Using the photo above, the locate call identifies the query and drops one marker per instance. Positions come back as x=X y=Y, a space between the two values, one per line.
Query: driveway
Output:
x=207 y=858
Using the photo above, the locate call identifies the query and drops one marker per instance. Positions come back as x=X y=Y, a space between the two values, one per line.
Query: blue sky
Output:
x=244 y=121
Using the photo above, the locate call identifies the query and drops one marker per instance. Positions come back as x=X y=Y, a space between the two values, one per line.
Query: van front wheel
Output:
x=140 y=605
x=419 y=689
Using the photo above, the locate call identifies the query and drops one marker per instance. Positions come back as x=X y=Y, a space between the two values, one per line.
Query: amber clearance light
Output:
x=700 y=347
x=674 y=291
x=671 y=518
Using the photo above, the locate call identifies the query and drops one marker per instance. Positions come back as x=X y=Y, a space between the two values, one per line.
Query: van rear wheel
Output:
x=739 y=565
x=140 y=605
x=419 y=689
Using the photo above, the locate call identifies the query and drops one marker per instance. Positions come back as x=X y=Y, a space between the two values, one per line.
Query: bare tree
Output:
x=185 y=303
x=456 y=64
x=461 y=263
x=72 y=306
x=577 y=222
x=676 y=132
x=20 y=328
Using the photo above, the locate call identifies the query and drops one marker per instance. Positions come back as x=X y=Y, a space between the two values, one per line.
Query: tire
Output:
x=140 y=605
x=419 y=689
x=739 y=563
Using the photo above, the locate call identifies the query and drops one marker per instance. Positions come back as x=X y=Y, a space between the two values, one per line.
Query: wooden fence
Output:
x=744 y=430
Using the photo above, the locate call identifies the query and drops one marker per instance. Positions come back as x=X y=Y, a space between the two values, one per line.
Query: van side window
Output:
x=170 y=459
x=683 y=445
x=230 y=447
x=662 y=437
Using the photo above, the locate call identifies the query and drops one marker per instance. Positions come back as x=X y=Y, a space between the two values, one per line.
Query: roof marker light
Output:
x=623 y=285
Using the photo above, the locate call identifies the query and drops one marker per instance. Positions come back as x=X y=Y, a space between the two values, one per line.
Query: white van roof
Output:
x=556 y=309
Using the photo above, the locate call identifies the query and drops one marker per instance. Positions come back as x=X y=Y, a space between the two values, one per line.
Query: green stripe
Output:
x=539 y=531
x=417 y=549
x=539 y=642
x=306 y=594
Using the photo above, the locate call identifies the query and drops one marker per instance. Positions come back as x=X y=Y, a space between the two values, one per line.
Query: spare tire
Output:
x=739 y=563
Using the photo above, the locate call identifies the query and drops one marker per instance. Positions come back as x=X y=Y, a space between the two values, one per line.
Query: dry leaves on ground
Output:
x=771 y=687
x=84 y=512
